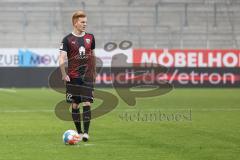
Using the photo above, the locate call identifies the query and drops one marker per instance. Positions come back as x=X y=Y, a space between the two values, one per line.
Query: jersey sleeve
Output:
x=64 y=45
x=93 y=43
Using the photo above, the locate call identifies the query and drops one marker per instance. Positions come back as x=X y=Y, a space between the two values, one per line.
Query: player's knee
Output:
x=74 y=105
x=86 y=104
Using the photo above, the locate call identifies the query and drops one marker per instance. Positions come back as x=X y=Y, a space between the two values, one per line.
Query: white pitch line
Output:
x=81 y=145
x=8 y=90
x=177 y=109
x=88 y=144
x=129 y=110
x=27 y=111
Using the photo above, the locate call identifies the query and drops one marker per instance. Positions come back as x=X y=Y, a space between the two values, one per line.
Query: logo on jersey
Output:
x=82 y=52
x=88 y=41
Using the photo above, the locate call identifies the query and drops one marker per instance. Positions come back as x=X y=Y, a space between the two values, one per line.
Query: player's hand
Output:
x=66 y=78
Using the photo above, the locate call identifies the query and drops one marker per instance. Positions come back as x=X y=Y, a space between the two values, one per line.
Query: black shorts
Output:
x=79 y=90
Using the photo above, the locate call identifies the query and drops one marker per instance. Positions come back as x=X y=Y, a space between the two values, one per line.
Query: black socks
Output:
x=86 y=118
x=77 y=119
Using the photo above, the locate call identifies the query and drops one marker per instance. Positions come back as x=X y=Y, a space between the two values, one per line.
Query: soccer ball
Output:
x=71 y=137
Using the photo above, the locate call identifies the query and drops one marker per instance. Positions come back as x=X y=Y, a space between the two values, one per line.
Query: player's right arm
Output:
x=62 y=59
x=63 y=56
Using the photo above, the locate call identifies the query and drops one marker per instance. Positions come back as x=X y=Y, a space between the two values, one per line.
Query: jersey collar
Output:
x=83 y=33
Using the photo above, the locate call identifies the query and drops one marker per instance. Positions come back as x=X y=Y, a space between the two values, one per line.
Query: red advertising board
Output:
x=187 y=58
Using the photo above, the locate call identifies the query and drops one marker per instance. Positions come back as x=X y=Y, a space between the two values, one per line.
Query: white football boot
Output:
x=85 y=137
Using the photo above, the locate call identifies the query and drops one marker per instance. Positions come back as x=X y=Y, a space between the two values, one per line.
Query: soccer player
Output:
x=78 y=48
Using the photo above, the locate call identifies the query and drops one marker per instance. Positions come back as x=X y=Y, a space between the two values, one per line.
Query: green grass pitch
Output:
x=199 y=124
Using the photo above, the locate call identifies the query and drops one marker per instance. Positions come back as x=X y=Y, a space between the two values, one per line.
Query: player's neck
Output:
x=77 y=33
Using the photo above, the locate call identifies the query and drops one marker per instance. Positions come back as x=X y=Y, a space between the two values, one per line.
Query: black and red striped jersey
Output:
x=79 y=49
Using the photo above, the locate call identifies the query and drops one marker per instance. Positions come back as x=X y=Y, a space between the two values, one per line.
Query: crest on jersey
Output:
x=88 y=40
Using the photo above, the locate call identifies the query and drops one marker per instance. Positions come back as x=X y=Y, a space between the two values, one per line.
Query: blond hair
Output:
x=78 y=14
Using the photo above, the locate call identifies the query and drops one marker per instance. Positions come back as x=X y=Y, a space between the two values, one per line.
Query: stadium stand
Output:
x=149 y=24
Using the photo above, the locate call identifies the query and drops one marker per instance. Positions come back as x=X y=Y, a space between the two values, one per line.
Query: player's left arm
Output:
x=94 y=64
x=94 y=58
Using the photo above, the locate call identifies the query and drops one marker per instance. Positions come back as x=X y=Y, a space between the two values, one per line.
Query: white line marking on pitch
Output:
x=8 y=90
x=128 y=110
x=27 y=111
x=89 y=144
x=81 y=145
